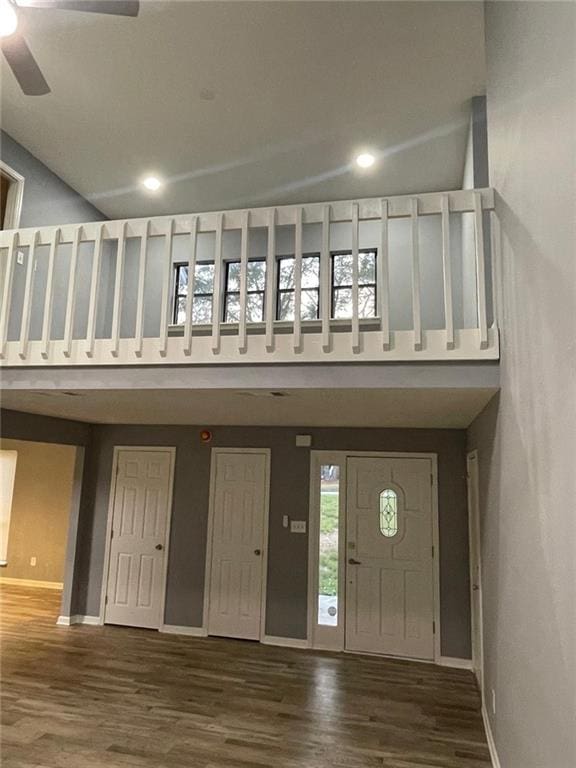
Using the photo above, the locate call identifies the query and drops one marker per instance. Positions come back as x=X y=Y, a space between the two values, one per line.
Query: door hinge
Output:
x=431 y=479
x=433 y=627
x=432 y=551
x=106 y=600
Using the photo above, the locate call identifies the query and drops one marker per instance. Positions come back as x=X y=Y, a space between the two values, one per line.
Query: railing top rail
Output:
x=369 y=209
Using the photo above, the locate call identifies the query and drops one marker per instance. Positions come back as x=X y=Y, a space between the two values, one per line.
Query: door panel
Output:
x=239 y=516
x=137 y=549
x=389 y=572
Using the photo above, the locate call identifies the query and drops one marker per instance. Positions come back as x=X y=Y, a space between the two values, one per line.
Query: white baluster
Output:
x=447 y=272
x=416 y=311
x=7 y=293
x=480 y=271
x=94 y=286
x=71 y=298
x=139 y=330
x=383 y=274
x=270 y=288
x=242 y=335
x=166 y=280
x=217 y=288
x=297 y=329
x=191 y=287
x=47 y=317
x=118 y=288
x=325 y=286
x=27 y=307
x=355 y=303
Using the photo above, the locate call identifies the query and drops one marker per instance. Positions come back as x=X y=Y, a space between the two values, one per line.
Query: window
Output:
x=342 y=267
x=328 y=550
x=203 y=293
x=389 y=513
x=310 y=301
x=255 y=290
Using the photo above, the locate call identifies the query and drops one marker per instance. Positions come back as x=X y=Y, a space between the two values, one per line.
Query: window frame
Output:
x=334 y=288
x=281 y=291
x=226 y=293
x=178 y=265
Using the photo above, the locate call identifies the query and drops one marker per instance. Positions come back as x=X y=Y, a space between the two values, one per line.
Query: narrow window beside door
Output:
x=328 y=560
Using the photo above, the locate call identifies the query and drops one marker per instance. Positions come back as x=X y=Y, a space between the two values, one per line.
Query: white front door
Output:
x=475 y=567
x=141 y=509
x=389 y=557
x=239 y=514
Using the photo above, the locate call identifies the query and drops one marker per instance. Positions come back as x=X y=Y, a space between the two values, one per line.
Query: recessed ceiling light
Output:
x=365 y=160
x=152 y=183
x=8 y=19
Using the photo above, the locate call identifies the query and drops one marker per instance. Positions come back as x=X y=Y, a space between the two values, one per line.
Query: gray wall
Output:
x=49 y=200
x=527 y=437
x=287 y=570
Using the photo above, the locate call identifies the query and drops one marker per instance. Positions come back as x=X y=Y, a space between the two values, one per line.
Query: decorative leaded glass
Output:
x=388 y=513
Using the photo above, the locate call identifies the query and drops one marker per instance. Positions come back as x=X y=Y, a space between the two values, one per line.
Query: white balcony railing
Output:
x=415 y=284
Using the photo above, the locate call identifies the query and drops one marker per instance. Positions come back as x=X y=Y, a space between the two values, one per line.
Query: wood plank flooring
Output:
x=87 y=697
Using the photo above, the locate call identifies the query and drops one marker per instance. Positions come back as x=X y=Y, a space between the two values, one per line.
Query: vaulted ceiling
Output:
x=239 y=103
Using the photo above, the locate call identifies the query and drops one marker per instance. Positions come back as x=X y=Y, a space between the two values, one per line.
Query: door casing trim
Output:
x=317 y=457
x=171 y=450
x=475 y=548
x=266 y=452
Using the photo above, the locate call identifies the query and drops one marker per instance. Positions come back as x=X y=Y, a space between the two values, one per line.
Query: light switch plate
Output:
x=303 y=441
x=297 y=526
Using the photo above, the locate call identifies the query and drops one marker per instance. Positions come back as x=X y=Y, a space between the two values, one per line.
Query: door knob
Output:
x=159 y=547
x=257 y=552
x=475 y=587
x=354 y=562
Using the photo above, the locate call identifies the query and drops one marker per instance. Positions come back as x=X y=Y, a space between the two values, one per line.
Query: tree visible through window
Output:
x=203 y=293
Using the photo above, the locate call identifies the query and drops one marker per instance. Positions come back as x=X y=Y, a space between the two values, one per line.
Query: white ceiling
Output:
x=298 y=88
x=443 y=408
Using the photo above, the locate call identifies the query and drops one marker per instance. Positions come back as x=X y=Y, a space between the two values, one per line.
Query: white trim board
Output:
x=174 y=629
x=14 y=197
x=285 y=642
x=113 y=480
x=490 y=739
x=31 y=583
x=455 y=663
x=68 y=621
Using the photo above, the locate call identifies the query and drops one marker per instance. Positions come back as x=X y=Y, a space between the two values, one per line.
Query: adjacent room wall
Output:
x=527 y=436
x=288 y=553
x=40 y=510
x=49 y=200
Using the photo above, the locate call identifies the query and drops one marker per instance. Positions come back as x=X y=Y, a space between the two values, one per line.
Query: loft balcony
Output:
x=406 y=278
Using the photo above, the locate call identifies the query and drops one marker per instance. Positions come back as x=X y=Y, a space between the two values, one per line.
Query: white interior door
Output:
x=141 y=508
x=389 y=557
x=475 y=567
x=239 y=514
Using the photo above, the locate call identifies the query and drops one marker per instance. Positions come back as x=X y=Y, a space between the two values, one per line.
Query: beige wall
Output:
x=40 y=510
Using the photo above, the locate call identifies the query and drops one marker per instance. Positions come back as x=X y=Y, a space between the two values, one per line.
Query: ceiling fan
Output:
x=14 y=46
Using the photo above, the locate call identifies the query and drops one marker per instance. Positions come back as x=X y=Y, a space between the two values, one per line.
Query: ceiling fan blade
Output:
x=114 y=7
x=24 y=66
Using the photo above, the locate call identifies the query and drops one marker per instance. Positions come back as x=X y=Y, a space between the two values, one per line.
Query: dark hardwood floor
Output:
x=87 y=697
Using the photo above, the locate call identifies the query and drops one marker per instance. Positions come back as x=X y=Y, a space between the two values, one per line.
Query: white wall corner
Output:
x=68 y=621
x=174 y=629
x=490 y=739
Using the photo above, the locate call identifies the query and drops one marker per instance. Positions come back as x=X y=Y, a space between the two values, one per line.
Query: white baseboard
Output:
x=490 y=739
x=455 y=663
x=286 y=642
x=68 y=621
x=31 y=583
x=174 y=629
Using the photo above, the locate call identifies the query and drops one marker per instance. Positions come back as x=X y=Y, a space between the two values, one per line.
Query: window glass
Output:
x=310 y=294
x=255 y=291
x=342 y=279
x=328 y=550
x=388 y=513
x=203 y=293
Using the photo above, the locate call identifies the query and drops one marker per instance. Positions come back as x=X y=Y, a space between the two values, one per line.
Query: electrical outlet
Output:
x=20 y=257
x=32 y=561
x=493 y=692
x=297 y=526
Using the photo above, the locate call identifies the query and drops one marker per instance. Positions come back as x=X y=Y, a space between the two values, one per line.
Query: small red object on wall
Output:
x=206 y=436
